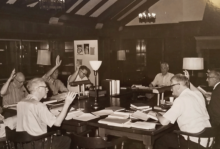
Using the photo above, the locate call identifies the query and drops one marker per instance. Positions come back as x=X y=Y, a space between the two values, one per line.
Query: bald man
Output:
x=13 y=90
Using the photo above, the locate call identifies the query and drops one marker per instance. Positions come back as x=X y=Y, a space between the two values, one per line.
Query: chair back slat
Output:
x=95 y=142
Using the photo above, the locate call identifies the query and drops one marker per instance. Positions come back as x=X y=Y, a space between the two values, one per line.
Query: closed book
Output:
x=140 y=105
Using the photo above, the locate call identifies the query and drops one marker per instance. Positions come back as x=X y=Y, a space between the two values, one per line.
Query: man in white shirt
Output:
x=33 y=116
x=163 y=78
x=81 y=74
x=189 y=110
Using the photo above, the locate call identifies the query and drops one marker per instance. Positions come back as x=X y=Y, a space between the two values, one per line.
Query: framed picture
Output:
x=79 y=49
x=86 y=48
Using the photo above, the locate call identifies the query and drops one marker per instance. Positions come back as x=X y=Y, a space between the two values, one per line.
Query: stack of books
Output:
x=140 y=106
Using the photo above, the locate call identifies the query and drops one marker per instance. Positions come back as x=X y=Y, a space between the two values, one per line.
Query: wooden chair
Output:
x=14 y=138
x=3 y=143
x=209 y=132
x=96 y=142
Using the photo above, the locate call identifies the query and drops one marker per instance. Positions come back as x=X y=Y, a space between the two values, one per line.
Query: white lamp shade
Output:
x=95 y=64
x=43 y=57
x=192 y=63
x=121 y=55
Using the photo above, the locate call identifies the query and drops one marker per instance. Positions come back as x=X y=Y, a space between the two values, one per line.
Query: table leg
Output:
x=147 y=142
x=102 y=132
x=158 y=99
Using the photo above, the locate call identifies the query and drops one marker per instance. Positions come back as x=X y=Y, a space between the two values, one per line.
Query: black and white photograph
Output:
x=128 y=74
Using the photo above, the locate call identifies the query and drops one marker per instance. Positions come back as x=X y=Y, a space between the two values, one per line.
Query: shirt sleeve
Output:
x=45 y=115
x=175 y=111
x=62 y=88
x=155 y=81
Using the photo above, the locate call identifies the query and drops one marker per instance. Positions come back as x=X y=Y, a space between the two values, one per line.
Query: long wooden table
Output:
x=148 y=137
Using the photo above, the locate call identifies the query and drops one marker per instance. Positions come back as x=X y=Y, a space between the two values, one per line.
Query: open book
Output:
x=119 y=115
x=143 y=125
x=144 y=116
x=103 y=112
x=114 y=121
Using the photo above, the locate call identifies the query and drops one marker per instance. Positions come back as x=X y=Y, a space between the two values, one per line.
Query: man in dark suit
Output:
x=213 y=79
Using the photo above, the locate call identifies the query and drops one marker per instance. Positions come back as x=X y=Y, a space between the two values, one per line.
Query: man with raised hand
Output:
x=13 y=90
x=33 y=116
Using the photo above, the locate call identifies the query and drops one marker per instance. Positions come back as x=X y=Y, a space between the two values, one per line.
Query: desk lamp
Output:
x=193 y=63
x=95 y=66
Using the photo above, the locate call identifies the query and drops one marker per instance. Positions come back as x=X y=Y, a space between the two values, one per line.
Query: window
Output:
x=141 y=53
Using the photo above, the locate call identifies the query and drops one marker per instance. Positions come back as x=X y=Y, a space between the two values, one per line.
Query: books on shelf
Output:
x=114 y=121
x=140 y=106
x=119 y=115
x=115 y=108
x=143 y=125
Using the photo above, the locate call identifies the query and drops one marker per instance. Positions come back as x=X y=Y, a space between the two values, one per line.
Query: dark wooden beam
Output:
x=135 y=13
x=113 y=10
x=79 y=6
x=96 y=8
x=78 y=20
x=130 y=6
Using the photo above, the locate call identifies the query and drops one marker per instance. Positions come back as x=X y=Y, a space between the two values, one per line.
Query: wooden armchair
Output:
x=96 y=142
x=209 y=132
x=15 y=138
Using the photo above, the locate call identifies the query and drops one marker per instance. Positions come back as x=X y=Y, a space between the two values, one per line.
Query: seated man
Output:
x=163 y=78
x=55 y=85
x=34 y=116
x=81 y=74
x=13 y=90
x=189 y=110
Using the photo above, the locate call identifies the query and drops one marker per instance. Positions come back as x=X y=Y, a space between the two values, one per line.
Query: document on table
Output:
x=85 y=117
x=114 y=122
x=143 y=125
x=103 y=112
x=119 y=115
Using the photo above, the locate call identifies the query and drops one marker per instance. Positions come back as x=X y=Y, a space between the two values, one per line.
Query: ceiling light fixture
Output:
x=52 y=4
x=147 y=17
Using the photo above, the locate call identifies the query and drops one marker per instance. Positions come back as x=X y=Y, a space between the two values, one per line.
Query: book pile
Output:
x=140 y=106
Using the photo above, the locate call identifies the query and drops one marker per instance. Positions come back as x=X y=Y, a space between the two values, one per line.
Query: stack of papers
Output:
x=85 y=117
x=144 y=116
x=114 y=121
x=143 y=125
x=119 y=115
x=139 y=106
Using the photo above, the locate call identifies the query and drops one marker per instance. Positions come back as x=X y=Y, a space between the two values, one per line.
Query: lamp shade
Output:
x=95 y=64
x=43 y=57
x=121 y=55
x=191 y=63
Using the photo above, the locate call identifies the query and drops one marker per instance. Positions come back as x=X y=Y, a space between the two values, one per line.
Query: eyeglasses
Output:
x=21 y=82
x=44 y=87
x=83 y=73
x=172 y=85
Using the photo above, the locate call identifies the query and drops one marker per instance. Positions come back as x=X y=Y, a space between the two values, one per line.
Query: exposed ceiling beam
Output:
x=96 y=8
x=113 y=10
x=79 y=6
x=135 y=13
x=77 y=20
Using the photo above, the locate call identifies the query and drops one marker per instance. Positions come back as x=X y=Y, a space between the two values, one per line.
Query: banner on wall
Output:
x=85 y=51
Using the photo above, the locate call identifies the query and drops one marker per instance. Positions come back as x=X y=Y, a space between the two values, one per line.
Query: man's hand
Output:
x=58 y=61
x=186 y=73
x=151 y=85
x=12 y=75
x=70 y=97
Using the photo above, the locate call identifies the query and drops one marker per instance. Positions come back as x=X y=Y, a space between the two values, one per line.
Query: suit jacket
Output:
x=214 y=107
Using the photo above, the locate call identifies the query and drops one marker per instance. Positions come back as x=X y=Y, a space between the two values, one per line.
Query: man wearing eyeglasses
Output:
x=213 y=79
x=55 y=85
x=13 y=90
x=33 y=116
x=189 y=110
x=81 y=74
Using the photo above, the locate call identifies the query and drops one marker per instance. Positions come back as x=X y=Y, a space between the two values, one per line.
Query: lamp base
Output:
x=96 y=106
